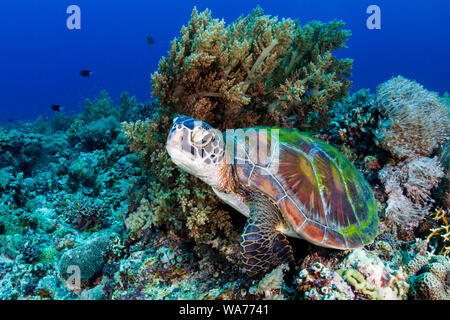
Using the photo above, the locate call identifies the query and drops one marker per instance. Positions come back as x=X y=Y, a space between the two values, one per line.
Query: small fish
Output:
x=86 y=73
x=150 y=40
x=56 y=107
x=10 y=120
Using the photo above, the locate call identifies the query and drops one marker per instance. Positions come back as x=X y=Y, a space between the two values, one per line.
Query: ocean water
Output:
x=41 y=58
x=107 y=199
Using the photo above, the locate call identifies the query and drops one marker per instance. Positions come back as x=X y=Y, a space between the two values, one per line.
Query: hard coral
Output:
x=257 y=70
x=429 y=280
x=354 y=121
x=415 y=120
x=440 y=235
x=86 y=214
x=270 y=287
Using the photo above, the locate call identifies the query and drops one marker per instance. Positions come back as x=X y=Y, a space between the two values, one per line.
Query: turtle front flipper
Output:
x=263 y=246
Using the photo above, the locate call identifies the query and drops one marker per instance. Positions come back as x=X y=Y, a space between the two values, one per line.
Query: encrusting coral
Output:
x=257 y=70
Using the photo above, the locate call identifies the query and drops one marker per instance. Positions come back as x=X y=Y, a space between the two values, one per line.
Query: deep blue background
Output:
x=40 y=58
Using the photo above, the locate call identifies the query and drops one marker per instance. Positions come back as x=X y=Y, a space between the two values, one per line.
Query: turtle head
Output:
x=197 y=148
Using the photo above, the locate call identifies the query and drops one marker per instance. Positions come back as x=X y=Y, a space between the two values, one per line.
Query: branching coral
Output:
x=415 y=120
x=445 y=186
x=354 y=120
x=409 y=187
x=257 y=70
x=353 y=124
x=441 y=234
x=86 y=214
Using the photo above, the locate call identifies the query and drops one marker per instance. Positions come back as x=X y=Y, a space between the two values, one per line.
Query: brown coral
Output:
x=257 y=70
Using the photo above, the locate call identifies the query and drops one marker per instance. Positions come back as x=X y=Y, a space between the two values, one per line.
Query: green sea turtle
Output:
x=284 y=181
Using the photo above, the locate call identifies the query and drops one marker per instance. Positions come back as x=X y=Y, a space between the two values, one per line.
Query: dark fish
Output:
x=56 y=107
x=10 y=119
x=150 y=40
x=85 y=73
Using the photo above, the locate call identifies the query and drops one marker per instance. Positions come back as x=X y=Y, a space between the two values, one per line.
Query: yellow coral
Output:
x=442 y=232
x=358 y=282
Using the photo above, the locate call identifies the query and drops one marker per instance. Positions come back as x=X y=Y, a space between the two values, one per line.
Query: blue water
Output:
x=40 y=58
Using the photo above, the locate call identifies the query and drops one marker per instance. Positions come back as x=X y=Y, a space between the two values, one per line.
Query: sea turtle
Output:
x=284 y=181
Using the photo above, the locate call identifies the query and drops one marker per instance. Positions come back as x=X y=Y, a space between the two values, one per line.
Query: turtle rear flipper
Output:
x=263 y=246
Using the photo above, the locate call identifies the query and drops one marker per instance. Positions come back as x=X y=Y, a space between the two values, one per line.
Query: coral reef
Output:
x=270 y=287
x=368 y=275
x=88 y=258
x=97 y=190
x=256 y=70
x=429 y=279
x=55 y=194
x=320 y=283
x=444 y=158
x=354 y=121
x=441 y=234
x=408 y=187
x=415 y=121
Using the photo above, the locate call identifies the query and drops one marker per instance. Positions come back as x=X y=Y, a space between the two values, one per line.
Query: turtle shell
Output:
x=320 y=193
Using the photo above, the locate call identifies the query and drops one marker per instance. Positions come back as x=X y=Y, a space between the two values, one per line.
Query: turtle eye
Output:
x=201 y=137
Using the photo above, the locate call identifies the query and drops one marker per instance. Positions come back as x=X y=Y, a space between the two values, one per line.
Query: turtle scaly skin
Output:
x=286 y=182
x=262 y=245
